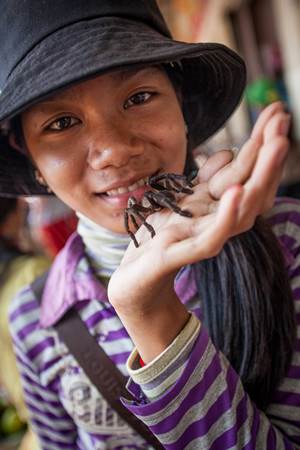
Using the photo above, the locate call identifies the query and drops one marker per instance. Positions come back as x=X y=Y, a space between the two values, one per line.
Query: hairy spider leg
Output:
x=142 y=218
x=132 y=217
x=165 y=199
x=136 y=211
x=170 y=183
x=171 y=176
x=126 y=222
x=177 y=187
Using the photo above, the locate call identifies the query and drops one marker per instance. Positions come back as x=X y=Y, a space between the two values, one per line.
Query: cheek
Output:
x=175 y=139
x=174 y=145
x=60 y=168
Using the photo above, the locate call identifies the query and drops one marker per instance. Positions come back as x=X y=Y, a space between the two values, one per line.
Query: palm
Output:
x=162 y=255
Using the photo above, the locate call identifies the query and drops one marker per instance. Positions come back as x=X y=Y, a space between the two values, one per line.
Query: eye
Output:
x=63 y=123
x=138 y=99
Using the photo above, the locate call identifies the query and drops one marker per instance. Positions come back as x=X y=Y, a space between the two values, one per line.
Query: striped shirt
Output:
x=189 y=396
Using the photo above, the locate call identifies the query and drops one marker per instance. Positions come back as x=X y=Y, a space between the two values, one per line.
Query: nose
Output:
x=113 y=146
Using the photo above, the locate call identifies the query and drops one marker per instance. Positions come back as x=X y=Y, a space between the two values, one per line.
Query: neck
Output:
x=104 y=248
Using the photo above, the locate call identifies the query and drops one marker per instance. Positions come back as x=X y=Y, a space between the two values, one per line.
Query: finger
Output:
x=269 y=199
x=209 y=243
x=249 y=154
x=277 y=126
x=199 y=204
x=273 y=122
x=269 y=163
x=201 y=159
x=237 y=172
x=264 y=118
x=262 y=186
x=214 y=163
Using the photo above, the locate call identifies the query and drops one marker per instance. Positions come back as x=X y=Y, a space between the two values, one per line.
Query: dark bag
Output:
x=99 y=368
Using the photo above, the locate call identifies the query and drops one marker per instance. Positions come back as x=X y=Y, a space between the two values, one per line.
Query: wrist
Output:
x=154 y=329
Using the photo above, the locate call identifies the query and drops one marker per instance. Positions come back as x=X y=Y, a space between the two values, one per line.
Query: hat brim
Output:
x=213 y=75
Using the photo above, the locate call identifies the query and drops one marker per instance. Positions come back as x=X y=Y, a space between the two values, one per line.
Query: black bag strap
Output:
x=98 y=367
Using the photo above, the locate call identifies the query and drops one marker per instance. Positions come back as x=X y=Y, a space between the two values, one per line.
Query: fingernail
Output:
x=285 y=125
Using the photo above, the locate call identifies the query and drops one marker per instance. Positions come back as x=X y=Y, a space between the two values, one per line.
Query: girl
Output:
x=98 y=97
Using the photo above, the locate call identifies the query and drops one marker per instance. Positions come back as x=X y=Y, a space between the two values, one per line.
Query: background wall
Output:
x=267 y=34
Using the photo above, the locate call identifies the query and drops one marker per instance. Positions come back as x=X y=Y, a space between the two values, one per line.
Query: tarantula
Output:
x=162 y=196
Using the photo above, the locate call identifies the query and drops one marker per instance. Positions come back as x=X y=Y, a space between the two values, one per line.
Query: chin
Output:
x=116 y=224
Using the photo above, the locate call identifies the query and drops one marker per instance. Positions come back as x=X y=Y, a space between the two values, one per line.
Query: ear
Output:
x=14 y=144
x=40 y=179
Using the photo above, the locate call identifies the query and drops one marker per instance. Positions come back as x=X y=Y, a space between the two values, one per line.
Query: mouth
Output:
x=127 y=189
x=119 y=195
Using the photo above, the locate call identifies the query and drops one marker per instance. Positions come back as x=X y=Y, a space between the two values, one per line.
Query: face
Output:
x=96 y=143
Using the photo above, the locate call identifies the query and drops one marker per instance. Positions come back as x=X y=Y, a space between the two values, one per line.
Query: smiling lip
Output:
x=126 y=184
x=118 y=193
x=120 y=201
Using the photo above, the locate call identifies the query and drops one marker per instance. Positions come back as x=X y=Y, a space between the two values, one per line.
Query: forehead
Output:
x=115 y=78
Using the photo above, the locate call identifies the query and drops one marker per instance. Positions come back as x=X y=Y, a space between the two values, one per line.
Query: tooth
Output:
x=112 y=192
x=122 y=190
x=133 y=187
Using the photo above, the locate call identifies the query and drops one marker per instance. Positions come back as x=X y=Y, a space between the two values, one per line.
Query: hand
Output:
x=258 y=165
x=142 y=288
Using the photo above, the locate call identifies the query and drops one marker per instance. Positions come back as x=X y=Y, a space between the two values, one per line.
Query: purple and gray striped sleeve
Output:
x=206 y=406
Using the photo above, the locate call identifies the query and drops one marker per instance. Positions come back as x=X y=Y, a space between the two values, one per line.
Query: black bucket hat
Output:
x=47 y=45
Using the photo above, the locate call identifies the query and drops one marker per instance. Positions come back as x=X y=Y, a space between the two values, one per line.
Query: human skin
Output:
x=113 y=130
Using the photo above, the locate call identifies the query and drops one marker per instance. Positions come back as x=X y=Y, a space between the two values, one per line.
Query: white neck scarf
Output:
x=104 y=248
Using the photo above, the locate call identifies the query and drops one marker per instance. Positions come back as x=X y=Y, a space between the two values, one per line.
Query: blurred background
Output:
x=32 y=231
x=266 y=33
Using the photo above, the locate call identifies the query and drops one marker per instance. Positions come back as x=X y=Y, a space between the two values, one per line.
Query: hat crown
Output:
x=24 y=23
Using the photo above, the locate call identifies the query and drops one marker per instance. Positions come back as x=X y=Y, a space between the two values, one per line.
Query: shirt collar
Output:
x=71 y=280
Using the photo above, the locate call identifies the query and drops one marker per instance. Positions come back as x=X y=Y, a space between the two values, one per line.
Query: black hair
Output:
x=16 y=128
x=248 y=309
x=7 y=206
